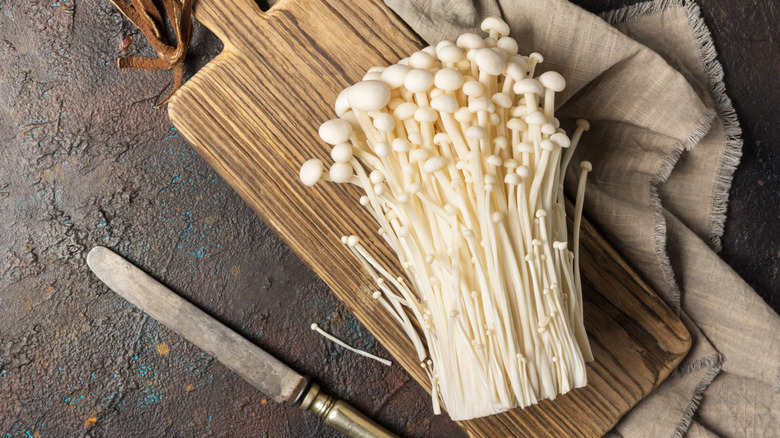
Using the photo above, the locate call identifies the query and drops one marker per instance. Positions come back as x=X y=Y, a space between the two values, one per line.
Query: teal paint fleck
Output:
x=151 y=396
x=172 y=133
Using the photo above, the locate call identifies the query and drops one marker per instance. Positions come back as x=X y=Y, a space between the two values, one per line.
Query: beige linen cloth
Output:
x=664 y=144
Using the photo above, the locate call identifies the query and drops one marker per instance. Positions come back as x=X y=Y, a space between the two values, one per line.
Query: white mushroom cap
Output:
x=422 y=60
x=515 y=70
x=561 y=139
x=494 y=160
x=584 y=124
x=476 y=132
x=496 y=24
x=394 y=75
x=369 y=95
x=499 y=142
x=405 y=110
x=463 y=115
x=335 y=131
x=520 y=110
x=381 y=149
x=548 y=128
x=394 y=102
x=449 y=53
x=525 y=86
x=384 y=122
x=502 y=100
x=519 y=59
x=418 y=80
x=401 y=145
x=419 y=155
x=512 y=179
x=448 y=79
x=489 y=61
x=552 y=80
x=341 y=153
x=425 y=114
x=441 y=137
x=376 y=176
x=340 y=172
x=415 y=138
x=523 y=171
x=445 y=103
x=547 y=145
x=470 y=41
x=501 y=53
x=586 y=166
x=434 y=164
x=509 y=45
x=481 y=104
x=490 y=42
x=311 y=172
x=372 y=76
x=342 y=103
x=429 y=50
x=464 y=64
x=536 y=56
x=535 y=118
x=442 y=44
x=515 y=124
x=473 y=89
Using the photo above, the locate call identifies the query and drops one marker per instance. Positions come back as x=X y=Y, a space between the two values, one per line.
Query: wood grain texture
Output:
x=253 y=114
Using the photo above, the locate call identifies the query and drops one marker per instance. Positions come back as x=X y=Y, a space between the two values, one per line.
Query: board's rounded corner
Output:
x=188 y=89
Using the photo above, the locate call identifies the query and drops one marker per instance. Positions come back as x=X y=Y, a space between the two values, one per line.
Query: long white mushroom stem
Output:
x=459 y=153
x=338 y=341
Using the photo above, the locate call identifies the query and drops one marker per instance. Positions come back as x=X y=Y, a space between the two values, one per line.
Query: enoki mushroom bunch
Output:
x=462 y=161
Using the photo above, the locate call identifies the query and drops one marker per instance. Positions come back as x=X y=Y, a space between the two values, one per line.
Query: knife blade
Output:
x=253 y=364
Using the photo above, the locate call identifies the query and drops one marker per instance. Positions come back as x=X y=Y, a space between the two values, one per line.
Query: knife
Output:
x=249 y=361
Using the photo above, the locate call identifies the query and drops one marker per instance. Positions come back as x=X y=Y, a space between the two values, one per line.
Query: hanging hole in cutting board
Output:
x=265 y=5
x=204 y=46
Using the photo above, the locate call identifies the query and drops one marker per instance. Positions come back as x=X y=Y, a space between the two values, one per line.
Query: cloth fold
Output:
x=664 y=144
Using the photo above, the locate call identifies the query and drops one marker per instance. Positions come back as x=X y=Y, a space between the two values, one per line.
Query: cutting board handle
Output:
x=231 y=20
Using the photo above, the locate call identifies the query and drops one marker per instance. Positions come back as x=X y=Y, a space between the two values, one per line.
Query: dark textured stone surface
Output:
x=86 y=161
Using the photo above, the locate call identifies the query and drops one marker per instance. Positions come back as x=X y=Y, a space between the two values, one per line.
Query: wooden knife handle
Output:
x=342 y=416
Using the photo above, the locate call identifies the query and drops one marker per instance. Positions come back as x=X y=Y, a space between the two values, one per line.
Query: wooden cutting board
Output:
x=253 y=114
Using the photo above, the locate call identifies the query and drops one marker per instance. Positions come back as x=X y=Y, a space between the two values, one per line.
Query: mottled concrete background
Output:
x=86 y=161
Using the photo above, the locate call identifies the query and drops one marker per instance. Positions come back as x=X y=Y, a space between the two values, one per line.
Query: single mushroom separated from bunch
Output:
x=462 y=160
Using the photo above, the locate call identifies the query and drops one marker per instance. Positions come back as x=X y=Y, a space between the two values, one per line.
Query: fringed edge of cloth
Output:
x=724 y=110
x=714 y=363
x=713 y=73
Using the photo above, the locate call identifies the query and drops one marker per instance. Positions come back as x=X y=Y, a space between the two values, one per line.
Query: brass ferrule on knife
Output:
x=340 y=415
x=256 y=366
